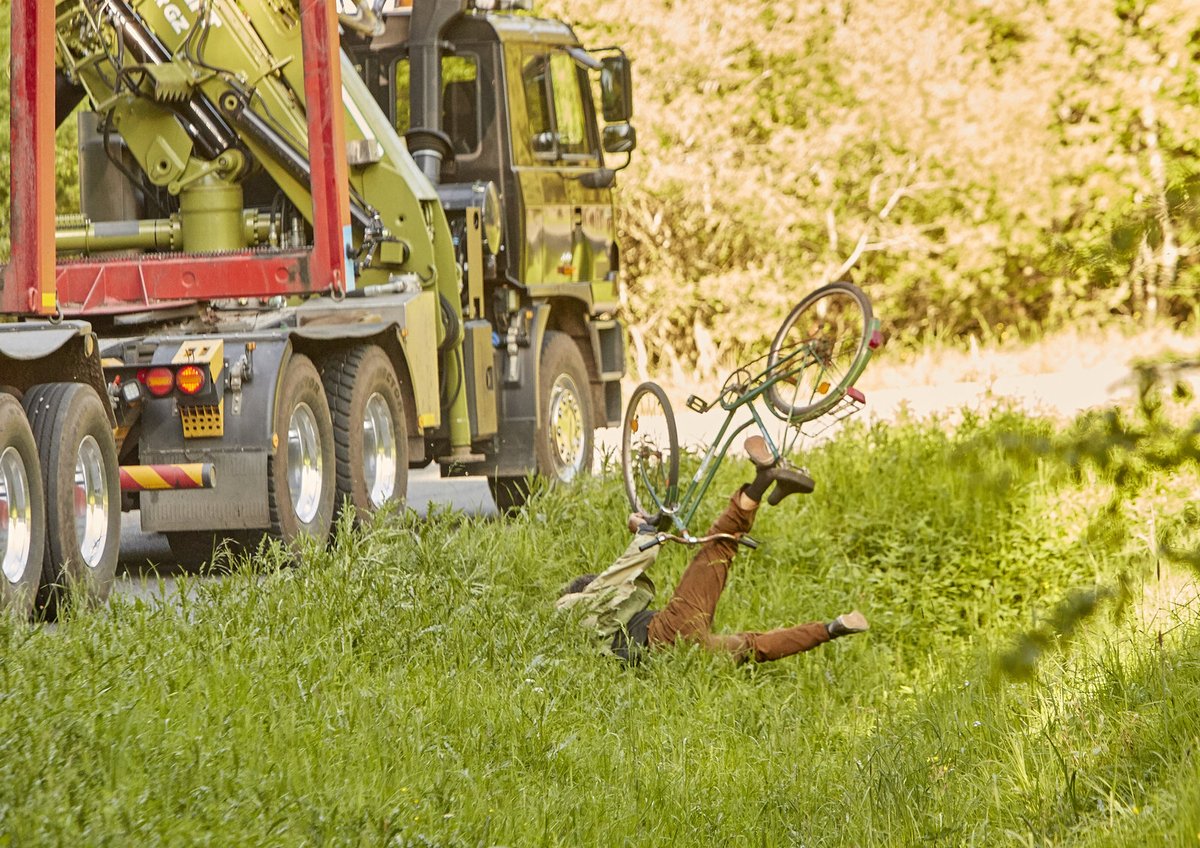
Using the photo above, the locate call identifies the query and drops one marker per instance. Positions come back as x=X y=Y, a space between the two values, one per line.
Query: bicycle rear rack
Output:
x=851 y=402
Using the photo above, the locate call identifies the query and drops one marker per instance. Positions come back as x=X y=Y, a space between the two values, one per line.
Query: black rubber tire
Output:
x=665 y=488
x=566 y=405
x=351 y=379
x=562 y=366
x=300 y=384
x=859 y=347
x=18 y=590
x=509 y=493
x=63 y=416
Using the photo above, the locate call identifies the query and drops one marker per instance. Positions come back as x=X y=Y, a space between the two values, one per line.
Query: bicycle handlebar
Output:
x=660 y=538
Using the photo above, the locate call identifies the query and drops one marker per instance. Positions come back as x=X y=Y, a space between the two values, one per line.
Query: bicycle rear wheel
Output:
x=650 y=452
x=820 y=350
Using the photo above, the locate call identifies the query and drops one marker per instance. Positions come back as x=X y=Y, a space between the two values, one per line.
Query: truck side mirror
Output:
x=616 y=88
x=620 y=138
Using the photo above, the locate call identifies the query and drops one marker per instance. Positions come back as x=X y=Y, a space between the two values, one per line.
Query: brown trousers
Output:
x=689 y=613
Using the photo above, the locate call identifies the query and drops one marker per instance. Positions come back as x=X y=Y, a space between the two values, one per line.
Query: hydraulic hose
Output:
x=289 y=158
x=203 y=123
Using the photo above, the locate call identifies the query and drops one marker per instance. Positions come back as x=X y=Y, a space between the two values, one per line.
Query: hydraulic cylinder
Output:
x=211 y=213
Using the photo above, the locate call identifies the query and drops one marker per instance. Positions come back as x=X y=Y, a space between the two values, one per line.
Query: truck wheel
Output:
x=300 y=472
x=22 y=511
x=83 y=495
x=370 y=432
x=564 y=442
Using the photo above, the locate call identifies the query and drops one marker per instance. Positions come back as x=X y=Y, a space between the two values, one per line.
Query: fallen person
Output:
x=616 y=603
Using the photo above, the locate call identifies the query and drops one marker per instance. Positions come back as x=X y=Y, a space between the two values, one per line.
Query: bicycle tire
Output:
x=651 y=479
x=843 y=355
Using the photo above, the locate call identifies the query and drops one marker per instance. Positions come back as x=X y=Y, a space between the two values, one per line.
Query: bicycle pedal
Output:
x=695 y=404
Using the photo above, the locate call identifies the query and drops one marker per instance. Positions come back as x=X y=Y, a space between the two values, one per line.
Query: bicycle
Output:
x=819 y=352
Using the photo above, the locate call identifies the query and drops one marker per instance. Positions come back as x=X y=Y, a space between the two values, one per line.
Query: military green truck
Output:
x=318 y=245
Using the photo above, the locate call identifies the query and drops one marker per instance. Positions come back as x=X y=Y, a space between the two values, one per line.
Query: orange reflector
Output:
x=633 y=425
x=160 y=381
x=190 y=379
x=823 y=388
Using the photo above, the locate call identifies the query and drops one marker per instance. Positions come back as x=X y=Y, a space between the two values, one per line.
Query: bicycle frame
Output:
x=821 y=392
x=685 y=505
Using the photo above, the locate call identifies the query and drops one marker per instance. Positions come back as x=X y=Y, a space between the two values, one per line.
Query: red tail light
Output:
x=159 y=381
x=190 y=379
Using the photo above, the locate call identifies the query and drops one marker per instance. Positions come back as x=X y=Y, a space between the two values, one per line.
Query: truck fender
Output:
x=520 y=404
x=40 y=352
x=520 y=400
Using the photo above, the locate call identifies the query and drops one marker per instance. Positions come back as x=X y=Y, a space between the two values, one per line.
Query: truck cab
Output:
x=517 y=109
x=518 y=131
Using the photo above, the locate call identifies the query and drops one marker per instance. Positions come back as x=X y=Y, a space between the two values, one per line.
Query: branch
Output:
x=864 y=244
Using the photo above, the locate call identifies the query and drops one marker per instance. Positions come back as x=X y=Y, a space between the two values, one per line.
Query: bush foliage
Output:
x=975 y=156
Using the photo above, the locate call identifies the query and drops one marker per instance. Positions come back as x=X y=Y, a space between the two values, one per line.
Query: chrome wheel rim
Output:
x=304 y=463
x=379 y=450
x=566 y=427
x=91 y=502
x=16 y=515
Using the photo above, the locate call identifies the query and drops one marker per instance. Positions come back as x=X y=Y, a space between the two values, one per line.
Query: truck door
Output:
x=570 y=227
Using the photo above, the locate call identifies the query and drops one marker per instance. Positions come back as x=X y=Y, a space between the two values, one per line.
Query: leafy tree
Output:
x=939 y=154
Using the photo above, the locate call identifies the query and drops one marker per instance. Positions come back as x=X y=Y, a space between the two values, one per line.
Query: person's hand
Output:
x=639 y=523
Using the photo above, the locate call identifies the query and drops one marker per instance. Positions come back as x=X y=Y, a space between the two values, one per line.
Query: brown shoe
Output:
x=759 y=453
x=848 y=624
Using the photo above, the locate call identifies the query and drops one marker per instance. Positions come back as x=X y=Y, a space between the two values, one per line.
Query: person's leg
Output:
x=788 y=481
x=777 y=644
x=689 y=613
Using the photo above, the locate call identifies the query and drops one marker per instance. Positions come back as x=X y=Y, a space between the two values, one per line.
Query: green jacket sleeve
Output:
x=617 y=594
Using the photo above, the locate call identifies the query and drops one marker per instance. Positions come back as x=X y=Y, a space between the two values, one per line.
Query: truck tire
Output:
x=563 y=446
x=370 y=431
x=22 y=511
x=82 y=492
x=564 y=443
x=300 y=472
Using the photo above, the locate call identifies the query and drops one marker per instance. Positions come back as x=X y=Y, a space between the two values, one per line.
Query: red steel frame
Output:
x=28 y=286
x=93 y=287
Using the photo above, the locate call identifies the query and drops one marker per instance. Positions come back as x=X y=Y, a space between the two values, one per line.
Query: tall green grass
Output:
x=412 y=686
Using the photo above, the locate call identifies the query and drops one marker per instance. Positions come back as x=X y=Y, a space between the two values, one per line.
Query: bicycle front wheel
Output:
x=650 y=452
x=820 y=350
